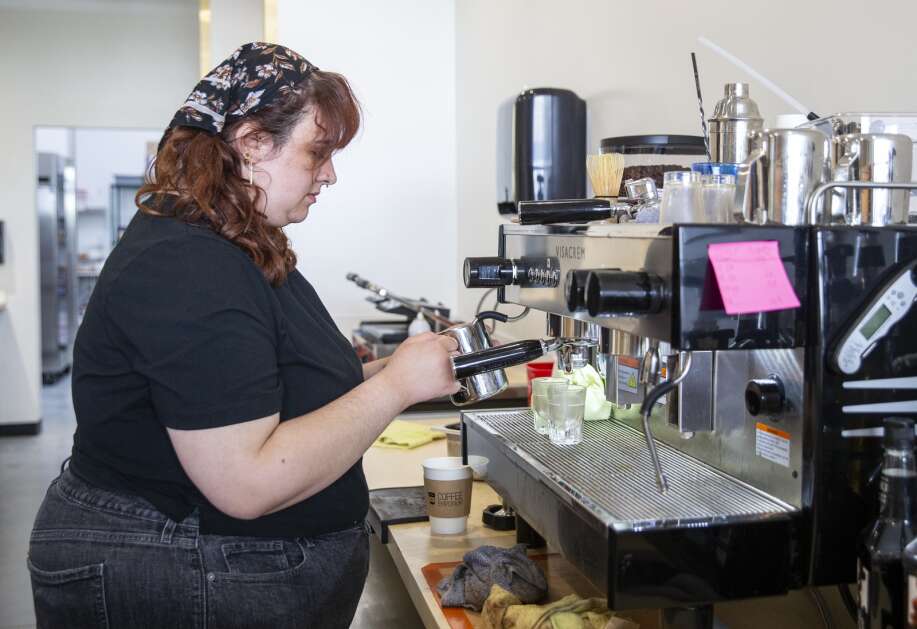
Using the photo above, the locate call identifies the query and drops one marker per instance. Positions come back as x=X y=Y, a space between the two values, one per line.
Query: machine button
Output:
x=765 y=396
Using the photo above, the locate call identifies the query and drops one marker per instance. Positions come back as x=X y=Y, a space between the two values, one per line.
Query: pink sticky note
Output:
x=751 y=277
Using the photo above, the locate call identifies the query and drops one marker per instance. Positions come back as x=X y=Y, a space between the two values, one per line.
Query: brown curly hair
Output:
x=202 y=172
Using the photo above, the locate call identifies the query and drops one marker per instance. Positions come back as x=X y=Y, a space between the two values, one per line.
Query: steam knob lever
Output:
x=614 y=292
x=575 y=289
x=484 y=272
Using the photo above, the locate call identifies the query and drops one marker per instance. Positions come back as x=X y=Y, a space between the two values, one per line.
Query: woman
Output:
x=216 y=476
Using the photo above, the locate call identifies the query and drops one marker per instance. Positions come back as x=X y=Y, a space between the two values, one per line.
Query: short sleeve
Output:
x=194 y=318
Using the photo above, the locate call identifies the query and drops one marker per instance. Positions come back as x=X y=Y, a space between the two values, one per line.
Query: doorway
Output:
x=85 y=186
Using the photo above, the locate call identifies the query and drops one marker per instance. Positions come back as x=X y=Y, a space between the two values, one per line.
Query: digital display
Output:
x=875 y=322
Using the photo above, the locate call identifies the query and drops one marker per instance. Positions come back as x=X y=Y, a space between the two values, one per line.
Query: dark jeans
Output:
x=104 y=559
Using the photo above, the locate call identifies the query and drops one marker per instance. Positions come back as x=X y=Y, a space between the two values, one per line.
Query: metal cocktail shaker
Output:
x=734 y=118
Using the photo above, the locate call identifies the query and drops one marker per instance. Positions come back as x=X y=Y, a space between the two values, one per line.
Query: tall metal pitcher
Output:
x=878 y=157
x=781 y=171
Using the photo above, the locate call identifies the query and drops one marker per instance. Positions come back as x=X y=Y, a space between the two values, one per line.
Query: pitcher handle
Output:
x=843 y=172
x=742 y=210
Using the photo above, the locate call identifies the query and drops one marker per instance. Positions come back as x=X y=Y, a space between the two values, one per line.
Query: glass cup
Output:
x=682 y=201
x=566 y=407
x=715 y=168
x=540 y=401
x=718 y=191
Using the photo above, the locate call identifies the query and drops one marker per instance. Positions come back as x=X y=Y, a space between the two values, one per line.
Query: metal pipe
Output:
x=417 y=306
x=820 y=191
x=662 y=483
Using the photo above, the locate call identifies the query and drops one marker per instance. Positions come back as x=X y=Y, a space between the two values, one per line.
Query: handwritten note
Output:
x=751 y=277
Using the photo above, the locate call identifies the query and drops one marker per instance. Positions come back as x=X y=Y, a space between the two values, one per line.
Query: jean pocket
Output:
x=261 y=557
x=74 y=597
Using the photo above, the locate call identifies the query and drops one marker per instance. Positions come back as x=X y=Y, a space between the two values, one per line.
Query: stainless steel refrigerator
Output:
x=56 y=204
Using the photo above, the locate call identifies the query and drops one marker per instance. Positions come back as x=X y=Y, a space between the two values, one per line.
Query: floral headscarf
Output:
x=253 y=76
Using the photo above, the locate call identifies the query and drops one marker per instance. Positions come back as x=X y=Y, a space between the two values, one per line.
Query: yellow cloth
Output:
x=406 y=435
x=503 y=610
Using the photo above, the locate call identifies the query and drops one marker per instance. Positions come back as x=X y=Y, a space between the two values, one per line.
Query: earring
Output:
x=251 y=167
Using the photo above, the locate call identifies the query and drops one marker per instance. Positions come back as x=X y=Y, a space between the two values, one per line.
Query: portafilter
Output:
x=472 y=368
x=479 y=366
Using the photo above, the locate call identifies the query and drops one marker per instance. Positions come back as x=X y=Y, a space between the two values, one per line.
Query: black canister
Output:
x=541 y=146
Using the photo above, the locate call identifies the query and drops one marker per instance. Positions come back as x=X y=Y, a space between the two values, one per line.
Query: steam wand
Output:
x=662 y=484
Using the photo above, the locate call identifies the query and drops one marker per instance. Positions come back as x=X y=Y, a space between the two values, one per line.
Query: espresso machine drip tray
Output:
x=709 y=538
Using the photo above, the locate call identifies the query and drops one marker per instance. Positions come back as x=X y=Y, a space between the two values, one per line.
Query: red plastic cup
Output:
x=537 y=369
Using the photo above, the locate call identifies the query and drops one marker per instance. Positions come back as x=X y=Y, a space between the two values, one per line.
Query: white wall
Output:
x=630 y=60
x=392 y=215
x=72 y=64
x=103 y=153
x=233 y=23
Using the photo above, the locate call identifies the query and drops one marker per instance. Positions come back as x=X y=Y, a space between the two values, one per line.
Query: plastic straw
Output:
x=789 y=100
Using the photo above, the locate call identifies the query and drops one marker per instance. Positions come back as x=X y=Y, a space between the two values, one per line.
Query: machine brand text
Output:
x=570 y=252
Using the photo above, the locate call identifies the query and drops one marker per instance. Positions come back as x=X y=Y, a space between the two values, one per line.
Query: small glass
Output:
x=719 y=193
x=682 y=201
x=540 y=401
x=566 y=407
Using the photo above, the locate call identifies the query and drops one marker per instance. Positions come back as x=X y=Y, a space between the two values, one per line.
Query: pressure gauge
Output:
x=887 y=308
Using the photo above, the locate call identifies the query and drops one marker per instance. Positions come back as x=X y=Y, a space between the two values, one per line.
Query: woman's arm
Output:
x=374 y=367
x=251 y=469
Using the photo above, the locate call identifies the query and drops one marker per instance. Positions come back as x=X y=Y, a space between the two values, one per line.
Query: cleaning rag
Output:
x=502 y=610
x=481 y=568
x=406 y=435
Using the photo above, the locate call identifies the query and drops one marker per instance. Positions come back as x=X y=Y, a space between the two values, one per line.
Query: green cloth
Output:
x=597 y=407
x=503 y=610
x=405 y=435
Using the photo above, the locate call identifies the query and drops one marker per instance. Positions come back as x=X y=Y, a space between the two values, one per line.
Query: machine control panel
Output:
x=530 y=272
x=890 y=304
x=542 y=272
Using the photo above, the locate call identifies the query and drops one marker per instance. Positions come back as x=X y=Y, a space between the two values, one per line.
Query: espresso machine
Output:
x=739 y=460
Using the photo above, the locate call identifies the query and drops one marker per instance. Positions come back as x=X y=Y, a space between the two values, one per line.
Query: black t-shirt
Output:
x=183 y=331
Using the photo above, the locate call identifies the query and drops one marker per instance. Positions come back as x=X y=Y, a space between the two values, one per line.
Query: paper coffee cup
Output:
x=447 y=484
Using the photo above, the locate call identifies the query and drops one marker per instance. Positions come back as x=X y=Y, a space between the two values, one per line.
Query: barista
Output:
x=216 y=474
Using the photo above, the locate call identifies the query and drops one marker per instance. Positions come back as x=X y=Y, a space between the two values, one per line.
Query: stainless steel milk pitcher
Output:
x=875 y=157
x=783 y=168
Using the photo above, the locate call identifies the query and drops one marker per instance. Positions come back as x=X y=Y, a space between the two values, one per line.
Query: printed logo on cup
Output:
x=448 y=498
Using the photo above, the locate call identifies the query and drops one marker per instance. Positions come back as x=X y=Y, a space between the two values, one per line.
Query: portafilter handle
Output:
x=500 y=357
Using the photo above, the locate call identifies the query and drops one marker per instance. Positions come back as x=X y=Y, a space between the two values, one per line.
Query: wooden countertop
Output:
x=412 y=546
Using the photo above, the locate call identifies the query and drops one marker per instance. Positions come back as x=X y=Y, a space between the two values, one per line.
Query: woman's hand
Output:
x=420 y=368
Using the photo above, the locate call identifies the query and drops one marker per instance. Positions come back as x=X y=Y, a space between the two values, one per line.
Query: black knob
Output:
x=575 y=290
x=480 y=272
x=614 y=292
x=765 y=396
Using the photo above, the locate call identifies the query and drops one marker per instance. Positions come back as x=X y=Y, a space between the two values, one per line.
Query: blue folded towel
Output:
x=510 y=568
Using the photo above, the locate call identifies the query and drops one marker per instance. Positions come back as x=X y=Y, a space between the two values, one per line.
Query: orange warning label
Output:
x=772 y=444
x=772 y=430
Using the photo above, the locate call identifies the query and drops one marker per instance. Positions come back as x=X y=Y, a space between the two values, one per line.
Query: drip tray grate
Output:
x=611 y=475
